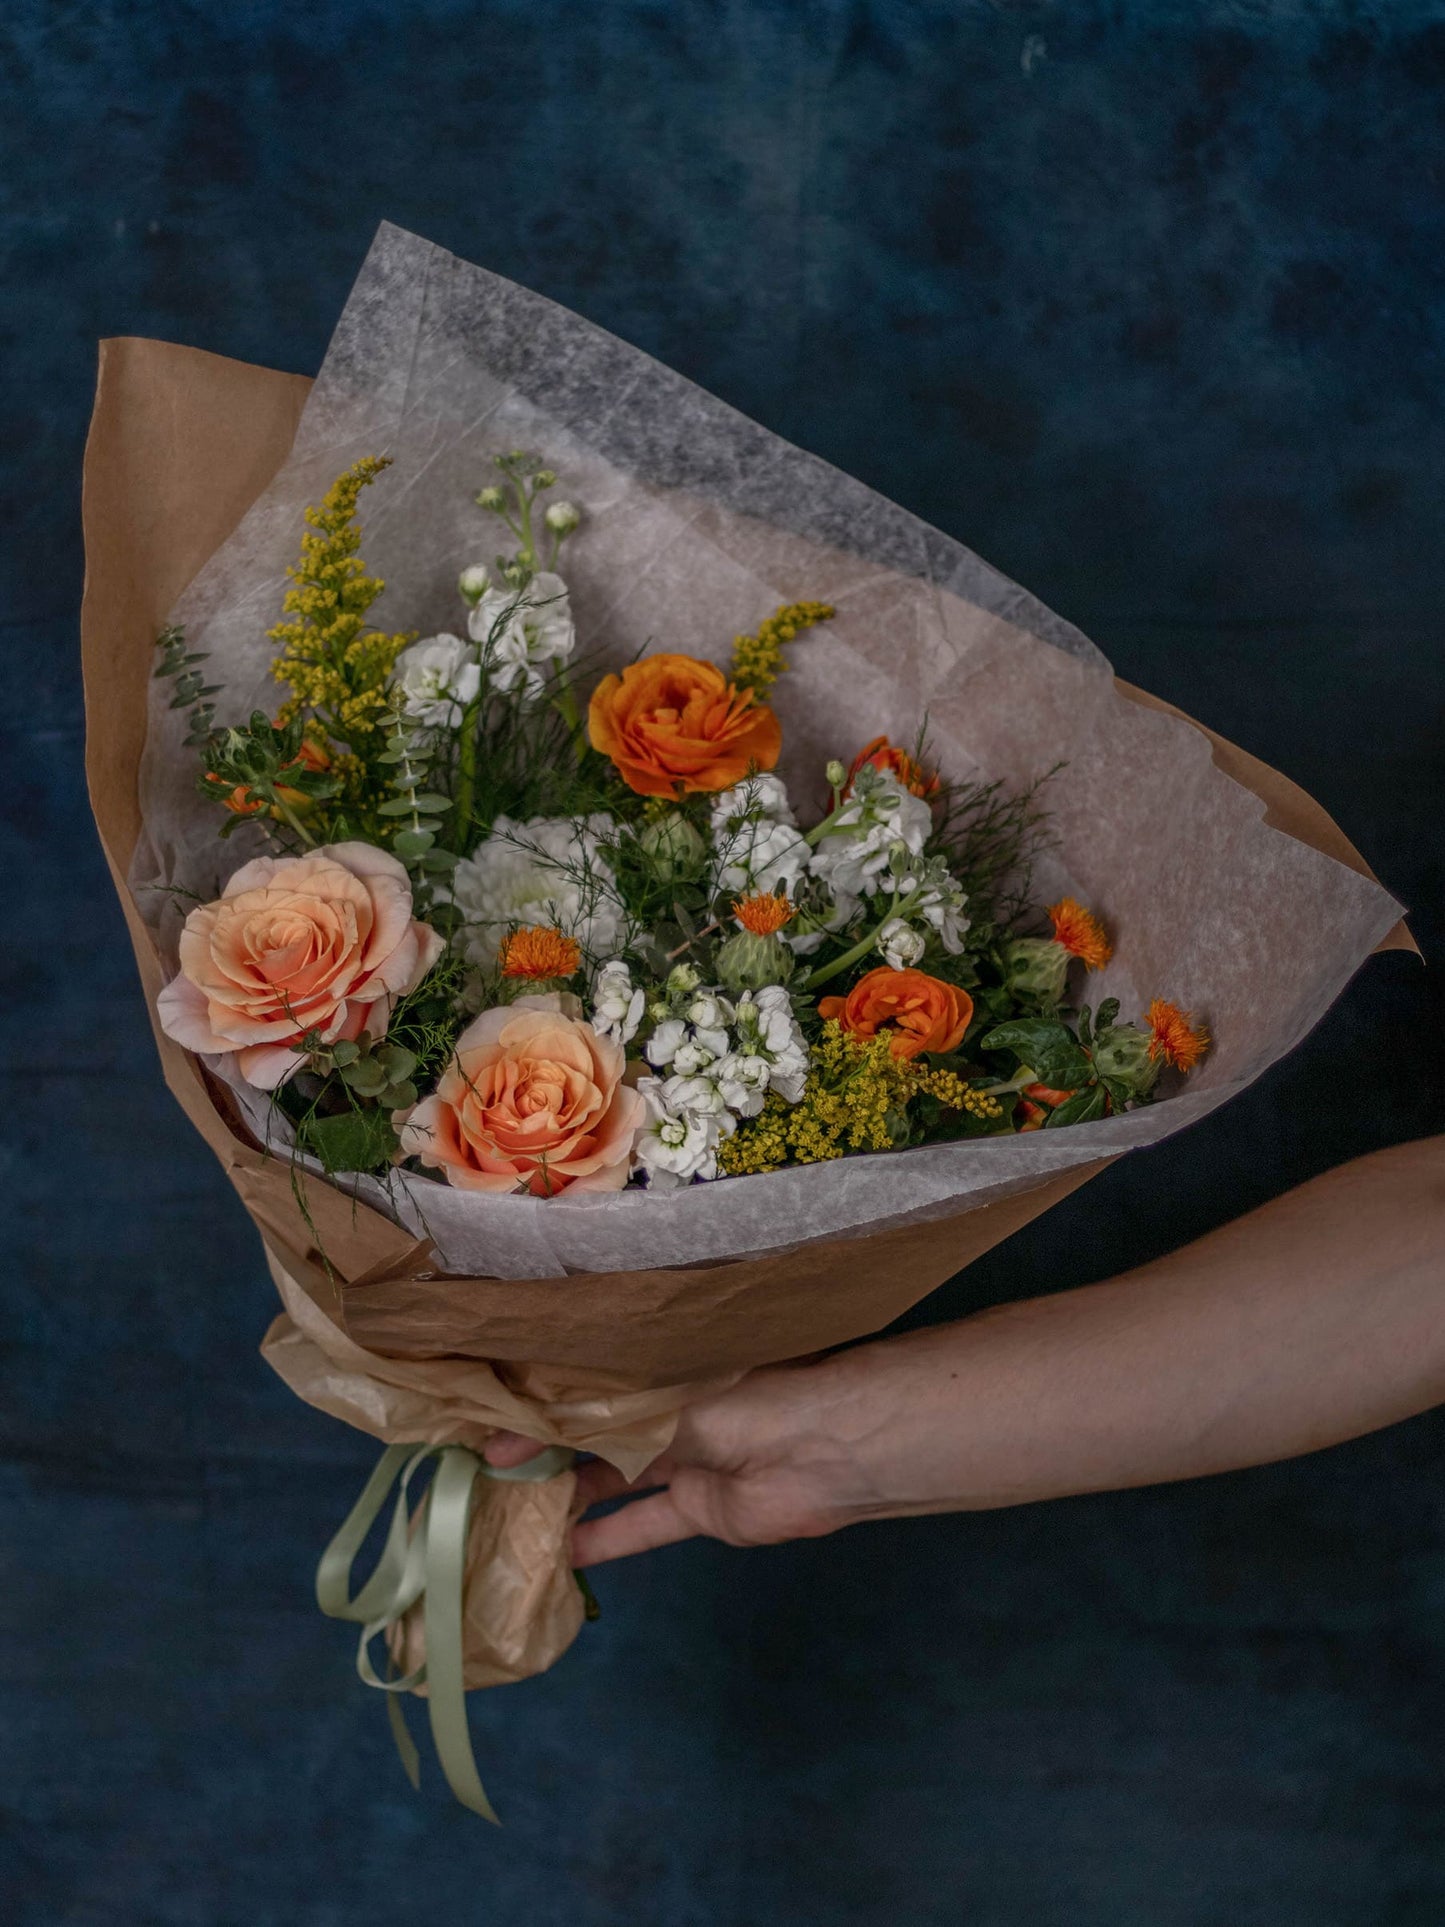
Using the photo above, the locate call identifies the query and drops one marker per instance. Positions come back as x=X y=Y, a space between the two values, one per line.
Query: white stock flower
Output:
x=709 y=1011
x=900 y=944
x=547 y=871
x=754 y=796
x=437 y=678
x=521 y=629
x=617 y=1004
x=743 y=1082
x=767 y=1029
x=855 y=851
x=680 y=1138
x=756 y=845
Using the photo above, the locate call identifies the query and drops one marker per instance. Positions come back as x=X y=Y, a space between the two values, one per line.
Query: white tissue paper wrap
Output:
x=697 y=524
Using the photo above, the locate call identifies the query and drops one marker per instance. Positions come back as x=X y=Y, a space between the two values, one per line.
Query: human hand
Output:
x=752 y=1465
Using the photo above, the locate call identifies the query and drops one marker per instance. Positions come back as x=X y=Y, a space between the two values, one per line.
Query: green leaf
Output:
x=398 y=807
x=438 y=860
x=354 y=1141
x=1108 y=1011
x=1082 y=1108
x=366 y=1078
x=431 y=803
x=401 y=1096
x=344 y=1051
x=410 y=843
x=1046 y=1047
x=397 y=1061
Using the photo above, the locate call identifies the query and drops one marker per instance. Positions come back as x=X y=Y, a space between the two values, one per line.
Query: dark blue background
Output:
x=1144 y=302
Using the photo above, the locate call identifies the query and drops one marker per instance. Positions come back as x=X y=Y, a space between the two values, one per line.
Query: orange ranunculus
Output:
x=672 y=723
x=324 y=942
x=915 y=1011
x=533 y=1100
x=897 y=762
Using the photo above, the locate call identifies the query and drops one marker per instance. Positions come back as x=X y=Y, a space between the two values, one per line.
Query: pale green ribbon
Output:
x=429 y=1561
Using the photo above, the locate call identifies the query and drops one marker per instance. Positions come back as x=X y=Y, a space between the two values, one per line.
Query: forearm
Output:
x=1316 y=1318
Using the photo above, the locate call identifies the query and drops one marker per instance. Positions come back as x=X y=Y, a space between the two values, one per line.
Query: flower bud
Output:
x=900 y=944
x=1122 y=1052
x=491 y=498
x=749 y=962
x=562 y=517
x=545 y=478
x=673 y=845
x=1036 y=967
x=472 y=584
x=683 y=979
x=836 y=773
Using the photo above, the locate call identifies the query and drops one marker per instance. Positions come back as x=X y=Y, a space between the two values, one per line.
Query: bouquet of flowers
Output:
x=524 y=936
x=710 y=912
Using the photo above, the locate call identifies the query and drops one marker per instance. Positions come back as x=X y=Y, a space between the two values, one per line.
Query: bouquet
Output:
x=524 y=937
x=708 y=912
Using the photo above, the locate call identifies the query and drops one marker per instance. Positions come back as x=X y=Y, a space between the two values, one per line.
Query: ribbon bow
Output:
x=424 y=1559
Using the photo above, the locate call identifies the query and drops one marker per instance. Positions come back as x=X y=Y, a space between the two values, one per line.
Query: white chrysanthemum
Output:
x=617 y=1004
x=437 y=678
x=899 y=944
x=680 y=1138
x=854 y=852
x=548 y=871
x=520 y=630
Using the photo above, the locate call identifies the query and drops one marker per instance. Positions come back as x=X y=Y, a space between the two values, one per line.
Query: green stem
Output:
x=826 y=972
x=565 y=704
x=465 y=798
x=289 y=816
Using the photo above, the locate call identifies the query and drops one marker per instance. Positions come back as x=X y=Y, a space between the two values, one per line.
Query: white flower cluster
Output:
x=874 y=843
x=437 y=678
x=755 y=839
x=617 y=1003
x=547 y=871
x=721 y=1059
x=520 y=631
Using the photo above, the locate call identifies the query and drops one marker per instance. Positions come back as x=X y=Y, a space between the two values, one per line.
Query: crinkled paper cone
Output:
x=181 y=444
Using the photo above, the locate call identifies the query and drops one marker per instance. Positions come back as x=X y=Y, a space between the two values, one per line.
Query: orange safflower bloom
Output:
x=1081 y=933
x=915 y=1011
x=672 y=725
x=538 y=951
x=764 y=913
x=887 y=756
x=1173 y=1037
x=1033 y=1117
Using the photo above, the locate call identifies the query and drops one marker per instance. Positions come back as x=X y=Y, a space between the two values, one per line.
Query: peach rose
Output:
x=672 y=723
x=324 y=942
x=533 y=1100
x=917 y=1012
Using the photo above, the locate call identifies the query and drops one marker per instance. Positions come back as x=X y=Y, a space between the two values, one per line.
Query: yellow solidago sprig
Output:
x=758 y=660
x=856 y=1099
x=335 y=665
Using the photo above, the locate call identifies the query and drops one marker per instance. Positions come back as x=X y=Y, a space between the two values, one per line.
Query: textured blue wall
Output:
x=1144 y=302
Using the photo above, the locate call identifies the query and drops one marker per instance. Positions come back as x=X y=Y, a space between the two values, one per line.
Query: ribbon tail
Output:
x=448 y=1514
x=405 y=1744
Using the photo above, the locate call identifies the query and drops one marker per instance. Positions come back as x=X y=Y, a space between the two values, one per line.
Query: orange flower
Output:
x=1081 y=933
x=672 y=725
x=1044 y=1094
x=887 y=756
x=540 y=951
x=915 y=1011
x=764 y=913
x=312 y=755
x=533 y=1100
x=1033 y=1117
x=1174 y=1038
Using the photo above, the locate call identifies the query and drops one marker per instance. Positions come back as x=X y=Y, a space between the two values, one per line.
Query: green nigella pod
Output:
x=1036 y=967
x=748 y=962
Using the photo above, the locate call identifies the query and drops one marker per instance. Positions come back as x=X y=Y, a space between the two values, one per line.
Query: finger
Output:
x=597 y=1480
x=510 y=1448
x=643 y=1527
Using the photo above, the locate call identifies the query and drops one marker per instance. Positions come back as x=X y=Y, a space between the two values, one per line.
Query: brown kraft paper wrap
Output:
x=181 y=444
